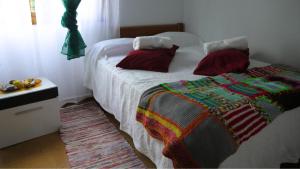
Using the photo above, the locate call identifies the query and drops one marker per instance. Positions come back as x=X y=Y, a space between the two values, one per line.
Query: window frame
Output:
x=33 y=12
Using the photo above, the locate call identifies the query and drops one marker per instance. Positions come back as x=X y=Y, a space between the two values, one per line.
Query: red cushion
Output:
x=223 y=61
x=151 y=59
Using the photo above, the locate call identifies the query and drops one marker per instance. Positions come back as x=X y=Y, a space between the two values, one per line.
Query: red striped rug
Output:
x=92 y=141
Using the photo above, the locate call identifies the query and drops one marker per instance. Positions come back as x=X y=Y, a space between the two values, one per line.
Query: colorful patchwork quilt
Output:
x=203 y=122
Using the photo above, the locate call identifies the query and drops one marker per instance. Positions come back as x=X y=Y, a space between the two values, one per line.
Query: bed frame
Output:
x=134 y=31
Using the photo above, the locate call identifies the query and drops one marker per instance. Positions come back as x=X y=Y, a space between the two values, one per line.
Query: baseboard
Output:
x=74 y=100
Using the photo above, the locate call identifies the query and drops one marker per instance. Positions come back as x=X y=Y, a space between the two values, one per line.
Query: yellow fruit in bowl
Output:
x=26 y=83
x=19 y=84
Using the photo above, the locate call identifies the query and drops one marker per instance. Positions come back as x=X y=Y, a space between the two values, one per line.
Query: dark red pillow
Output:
x=223 y=61
x=157 y=60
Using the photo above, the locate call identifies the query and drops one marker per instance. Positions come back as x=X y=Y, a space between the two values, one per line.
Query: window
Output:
x=32 y=10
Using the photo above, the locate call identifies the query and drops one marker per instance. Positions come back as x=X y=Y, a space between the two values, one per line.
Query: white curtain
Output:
x=28 y=50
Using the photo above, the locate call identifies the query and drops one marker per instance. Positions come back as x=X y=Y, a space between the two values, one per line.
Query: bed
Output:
x=119 y=91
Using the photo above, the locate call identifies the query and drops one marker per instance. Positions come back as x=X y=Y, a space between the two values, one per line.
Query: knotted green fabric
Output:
x=74 y=46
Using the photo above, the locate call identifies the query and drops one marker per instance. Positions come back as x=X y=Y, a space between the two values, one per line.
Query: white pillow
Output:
x=234 y=43
x=152 y=42
x=112 y=47
x=182 y=39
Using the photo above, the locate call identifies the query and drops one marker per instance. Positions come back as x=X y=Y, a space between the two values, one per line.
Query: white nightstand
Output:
x=28 y=114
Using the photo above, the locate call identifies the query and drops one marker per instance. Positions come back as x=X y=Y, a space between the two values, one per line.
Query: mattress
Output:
x=118 y=91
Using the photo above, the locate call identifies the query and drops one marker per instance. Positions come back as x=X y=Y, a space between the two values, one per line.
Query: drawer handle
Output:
x=28 y=111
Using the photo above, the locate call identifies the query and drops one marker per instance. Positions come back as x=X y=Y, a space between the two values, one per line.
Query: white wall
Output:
x=145 y=12
x=273 y=26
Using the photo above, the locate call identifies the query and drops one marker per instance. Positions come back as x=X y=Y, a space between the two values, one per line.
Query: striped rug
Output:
x=92 y=141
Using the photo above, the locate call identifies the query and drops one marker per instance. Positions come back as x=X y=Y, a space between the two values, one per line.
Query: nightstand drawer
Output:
x=25 y=122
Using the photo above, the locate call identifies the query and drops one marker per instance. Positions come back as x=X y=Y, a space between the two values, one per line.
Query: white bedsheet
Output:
x=118 y=91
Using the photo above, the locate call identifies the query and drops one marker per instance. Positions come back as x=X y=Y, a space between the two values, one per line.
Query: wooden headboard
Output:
x=148 y=30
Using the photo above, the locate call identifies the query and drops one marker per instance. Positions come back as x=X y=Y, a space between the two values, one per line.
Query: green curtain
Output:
x=74 y=46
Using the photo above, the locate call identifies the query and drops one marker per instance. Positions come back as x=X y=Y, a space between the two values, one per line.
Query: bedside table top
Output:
x=45 y=84
x=46 y=91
